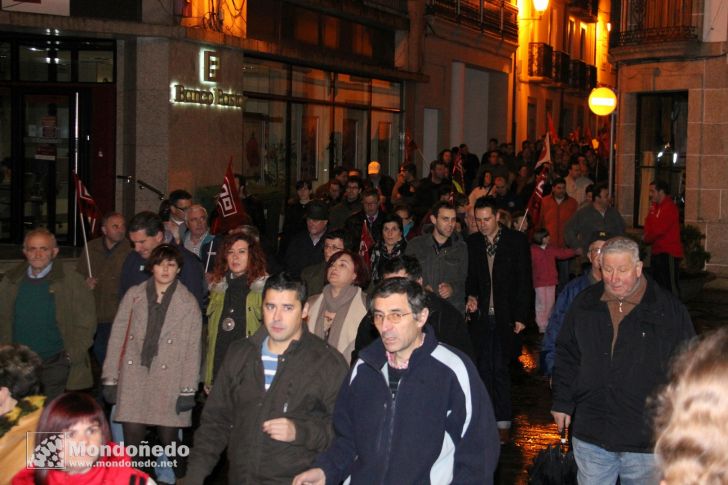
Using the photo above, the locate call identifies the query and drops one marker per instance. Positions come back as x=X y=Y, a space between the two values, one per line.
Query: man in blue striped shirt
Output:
x=273 y=398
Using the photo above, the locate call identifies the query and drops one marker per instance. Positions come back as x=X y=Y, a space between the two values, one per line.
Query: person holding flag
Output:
x=543 y=166
x=364 y=228
x=229 y=212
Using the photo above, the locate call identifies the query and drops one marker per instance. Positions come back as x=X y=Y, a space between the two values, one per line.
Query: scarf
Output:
x=380 y=255
x=155 y=319
x=490 y=249
x=339 y=306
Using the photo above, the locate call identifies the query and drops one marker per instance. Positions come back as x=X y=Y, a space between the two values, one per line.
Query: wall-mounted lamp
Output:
x=609 y=26
x=540 y=6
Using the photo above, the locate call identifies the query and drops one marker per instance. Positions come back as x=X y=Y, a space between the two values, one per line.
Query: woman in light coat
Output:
x=335 y=314
x=152 y=366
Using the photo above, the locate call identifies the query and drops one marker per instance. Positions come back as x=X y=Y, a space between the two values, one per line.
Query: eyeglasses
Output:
x=395 y=317
x=331 y=247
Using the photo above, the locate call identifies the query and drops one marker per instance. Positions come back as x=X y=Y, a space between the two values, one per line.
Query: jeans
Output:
x=598 y=466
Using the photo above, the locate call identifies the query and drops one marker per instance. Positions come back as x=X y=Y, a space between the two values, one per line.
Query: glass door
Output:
x=48 y=159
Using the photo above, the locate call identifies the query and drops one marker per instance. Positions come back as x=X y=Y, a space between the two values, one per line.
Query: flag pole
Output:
x=525 y=214
x=85 y=241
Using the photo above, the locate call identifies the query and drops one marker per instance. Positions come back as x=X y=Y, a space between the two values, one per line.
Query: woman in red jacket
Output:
x=76 y=429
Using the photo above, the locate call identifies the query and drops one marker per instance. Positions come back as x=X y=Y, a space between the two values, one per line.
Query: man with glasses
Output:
x=567 y=295
x=175 y=228
x=315 y=275
x=412 y=410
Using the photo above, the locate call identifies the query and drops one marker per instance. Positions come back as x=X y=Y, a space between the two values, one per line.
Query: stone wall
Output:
x=706 y=195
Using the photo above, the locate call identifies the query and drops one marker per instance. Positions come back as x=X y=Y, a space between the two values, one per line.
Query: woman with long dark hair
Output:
x=76 y=435
x=335 y=314
x=152 y=366
x=236 y=289
x=391 y=244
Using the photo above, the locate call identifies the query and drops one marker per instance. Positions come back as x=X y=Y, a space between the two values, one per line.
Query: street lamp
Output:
x=603 y=102
x=540 y=6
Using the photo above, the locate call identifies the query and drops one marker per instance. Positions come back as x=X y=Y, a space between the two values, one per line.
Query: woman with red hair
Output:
x=76 y=431
x=335 y=314
x=236 y=289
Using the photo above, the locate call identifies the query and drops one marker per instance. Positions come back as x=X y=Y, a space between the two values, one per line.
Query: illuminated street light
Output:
x=540 y=6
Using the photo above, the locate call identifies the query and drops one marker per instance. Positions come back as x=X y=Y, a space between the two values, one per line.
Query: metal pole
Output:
x=611 y=155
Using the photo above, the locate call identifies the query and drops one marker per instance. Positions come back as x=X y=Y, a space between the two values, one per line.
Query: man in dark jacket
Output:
x=307 y=247
x=370 y=214
x=611 y=354
x=443 y=255
x=273 y=397
x=445 y=320
x=146 y=232
x=499 y=286
x=412 y=410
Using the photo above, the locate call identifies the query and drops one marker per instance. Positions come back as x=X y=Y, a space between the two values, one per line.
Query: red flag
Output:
x=552 y=130
x=545 y=155
x=534 y=203
x=366 y=244
x=86 y=204
x=230 y=212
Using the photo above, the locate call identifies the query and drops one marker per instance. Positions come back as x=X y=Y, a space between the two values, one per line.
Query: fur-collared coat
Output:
x=149 y=396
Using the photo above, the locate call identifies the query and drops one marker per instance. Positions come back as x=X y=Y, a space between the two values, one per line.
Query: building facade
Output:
x=672 y=86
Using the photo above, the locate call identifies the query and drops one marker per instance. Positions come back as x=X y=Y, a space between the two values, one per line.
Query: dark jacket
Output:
x=355 y=222
x=449 y=265
x=191 y=275
x=304 y=390
x=556 y=320
x=512 y=285
x=441 y=430
x=315 y=277
x=606 y=393
x=303 y=252
x=106 y=267
x=75 y=316
x=445 y=320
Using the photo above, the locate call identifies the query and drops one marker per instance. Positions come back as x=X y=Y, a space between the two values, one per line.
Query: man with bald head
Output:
x=106 y=256
x=612 y=353
x=52 y=311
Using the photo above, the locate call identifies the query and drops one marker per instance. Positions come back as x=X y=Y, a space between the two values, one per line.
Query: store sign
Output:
x=209 y=65
x=207 y=97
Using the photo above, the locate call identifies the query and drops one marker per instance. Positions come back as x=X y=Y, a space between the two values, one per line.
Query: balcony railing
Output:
x=657 y=21
x=540 y=60
x=495 y=17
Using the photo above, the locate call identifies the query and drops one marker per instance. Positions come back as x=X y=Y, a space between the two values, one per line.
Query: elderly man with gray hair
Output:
x=611 y=354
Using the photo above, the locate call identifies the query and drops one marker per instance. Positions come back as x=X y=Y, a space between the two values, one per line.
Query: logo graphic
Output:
x=48 y=452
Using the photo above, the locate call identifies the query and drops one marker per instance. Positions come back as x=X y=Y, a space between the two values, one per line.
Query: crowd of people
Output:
x=373 y=341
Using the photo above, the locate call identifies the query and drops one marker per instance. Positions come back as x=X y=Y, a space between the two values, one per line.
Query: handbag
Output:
x=554 y=465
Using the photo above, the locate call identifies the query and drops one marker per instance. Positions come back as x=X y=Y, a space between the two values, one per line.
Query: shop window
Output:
x=5 y=61
x=662 y=131
x=310 y=140
x=352 y=89
x=311 y=83
x=306 y=26
x=95 y=66
x=386 y=94
x=62 y=65
x=265 y=77
x=33 y=63
x=385 y=140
